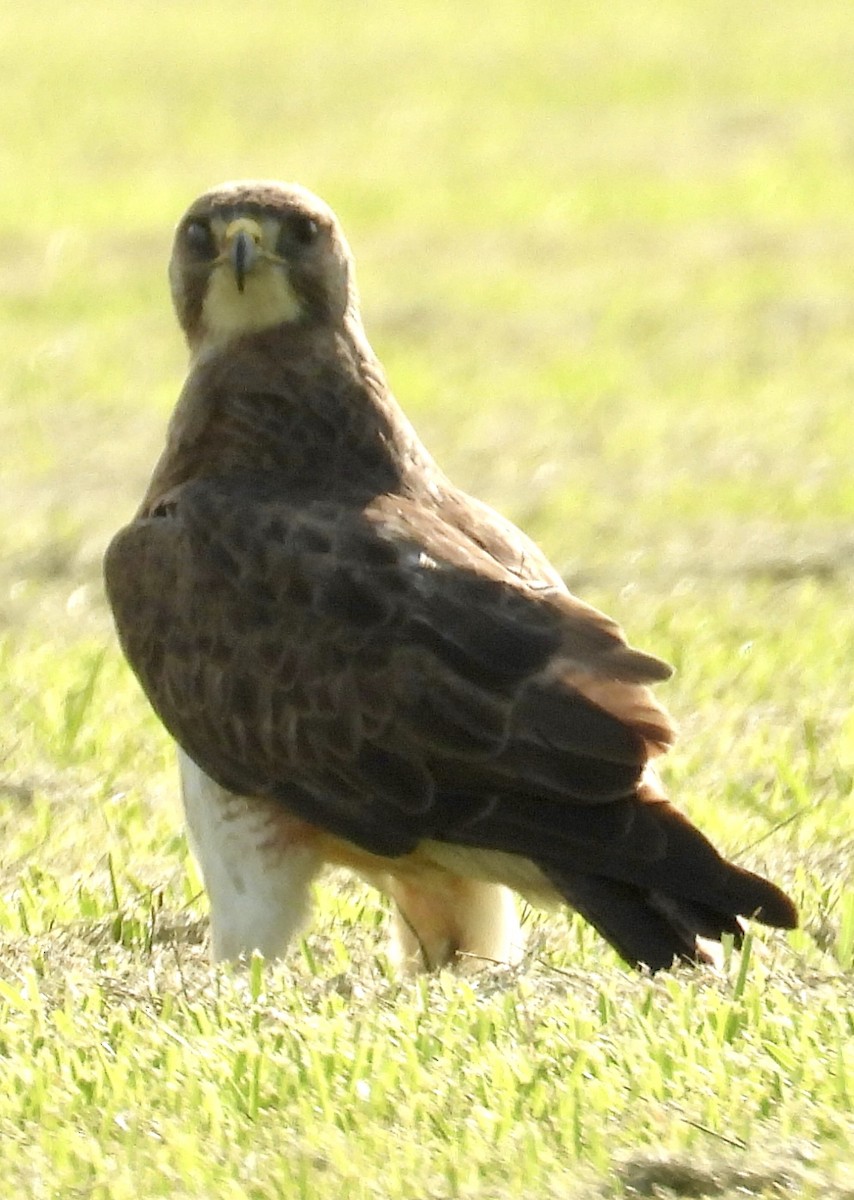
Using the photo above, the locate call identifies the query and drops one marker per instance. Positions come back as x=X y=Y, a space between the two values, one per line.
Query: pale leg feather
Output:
x=256 y=862
x=442 y=919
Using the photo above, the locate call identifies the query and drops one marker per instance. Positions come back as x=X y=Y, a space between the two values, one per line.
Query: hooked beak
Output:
x=242 y=239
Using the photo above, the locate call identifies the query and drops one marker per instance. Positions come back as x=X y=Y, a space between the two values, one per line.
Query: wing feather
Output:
x=378 y=663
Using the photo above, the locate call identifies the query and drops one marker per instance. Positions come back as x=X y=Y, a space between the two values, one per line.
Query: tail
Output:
x=654 y=911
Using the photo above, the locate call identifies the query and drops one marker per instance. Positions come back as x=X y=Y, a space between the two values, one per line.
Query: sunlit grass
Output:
x=605 y=253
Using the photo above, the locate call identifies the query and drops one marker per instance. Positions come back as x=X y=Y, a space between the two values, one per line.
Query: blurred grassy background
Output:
x=617 y=240
x=607 y=256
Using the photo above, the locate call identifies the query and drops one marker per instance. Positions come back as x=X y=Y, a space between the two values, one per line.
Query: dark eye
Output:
x=200 y=239
x=303 y=229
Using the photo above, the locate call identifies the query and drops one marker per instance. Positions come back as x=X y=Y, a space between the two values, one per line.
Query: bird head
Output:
x=254 y=254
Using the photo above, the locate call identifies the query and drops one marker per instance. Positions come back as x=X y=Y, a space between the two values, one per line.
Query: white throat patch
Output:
x=267 y=299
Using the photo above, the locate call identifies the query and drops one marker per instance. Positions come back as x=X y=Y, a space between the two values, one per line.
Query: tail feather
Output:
x=638 y=870
x=690 y=869
x=656 y=915
x=626 y=918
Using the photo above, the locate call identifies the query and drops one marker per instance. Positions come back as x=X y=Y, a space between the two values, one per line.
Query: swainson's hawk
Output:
x=364 y=666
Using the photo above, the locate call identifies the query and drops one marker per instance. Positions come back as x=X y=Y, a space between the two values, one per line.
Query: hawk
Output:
x=364 y=666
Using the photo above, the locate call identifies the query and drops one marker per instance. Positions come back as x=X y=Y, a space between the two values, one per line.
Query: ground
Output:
x=606 y=255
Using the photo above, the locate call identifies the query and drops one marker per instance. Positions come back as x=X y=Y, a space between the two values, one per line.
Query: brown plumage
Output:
x=365 y=666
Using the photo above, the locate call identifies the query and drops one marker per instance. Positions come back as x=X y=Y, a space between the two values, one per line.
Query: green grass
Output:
x=606 y=255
